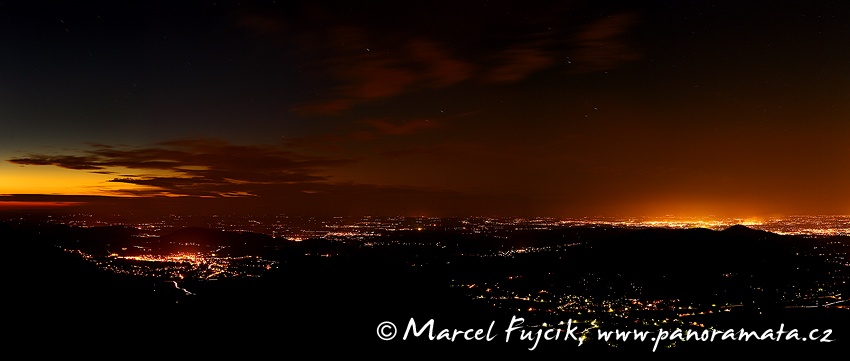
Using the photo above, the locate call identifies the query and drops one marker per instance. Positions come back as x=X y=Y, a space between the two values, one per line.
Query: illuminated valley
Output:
x=178 y=266
x=601 y=274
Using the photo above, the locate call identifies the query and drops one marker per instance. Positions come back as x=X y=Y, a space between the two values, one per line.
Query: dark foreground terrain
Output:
x=328 y=297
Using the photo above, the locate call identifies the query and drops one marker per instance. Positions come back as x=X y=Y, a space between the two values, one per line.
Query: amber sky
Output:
x=550 y=108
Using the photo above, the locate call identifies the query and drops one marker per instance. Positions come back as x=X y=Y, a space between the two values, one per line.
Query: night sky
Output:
x=526 y=108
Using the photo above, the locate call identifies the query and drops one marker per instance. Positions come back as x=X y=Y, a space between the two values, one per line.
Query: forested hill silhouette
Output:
x=208 y=236
x=735 y=247
x=58 y=298
x=227 y=242
x=742 y=230
x=123 y=240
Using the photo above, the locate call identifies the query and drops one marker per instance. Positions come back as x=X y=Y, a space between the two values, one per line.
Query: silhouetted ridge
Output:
x=209 y=236
x=227 y=242
x=744 y=231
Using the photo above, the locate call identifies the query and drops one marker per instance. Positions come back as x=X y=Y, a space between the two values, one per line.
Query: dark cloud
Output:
x=518 y=62
x=410 y=127
x=440 y=68
x=195 y=186
x=64 y=161
x=196 y=167
x=373 y=129
x=209 y=175
x=368 y=67
x=601 y=45
x=305 y=198
x=367 y=54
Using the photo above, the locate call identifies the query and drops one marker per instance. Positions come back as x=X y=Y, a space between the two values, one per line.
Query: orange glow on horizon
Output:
x=54 y=180
x=6 y=205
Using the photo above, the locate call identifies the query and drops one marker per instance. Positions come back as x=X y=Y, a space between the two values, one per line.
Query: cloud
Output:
x=440 y=68
x=195 y=167
x=201 y=176
x=64 y=161
x=362 y=56
x=366 y=67
x=314 y=198
x=518 y=62
x=409 y=127
x=372 y=130
x=99 y=145
x=600 y=46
